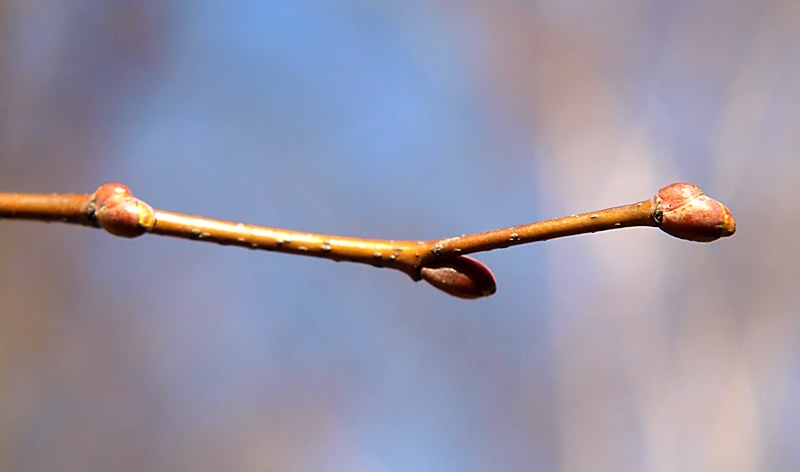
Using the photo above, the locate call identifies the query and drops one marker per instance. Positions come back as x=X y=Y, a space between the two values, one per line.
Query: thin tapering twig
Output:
x=679 y=209
x=637 y=214
x=403 y=255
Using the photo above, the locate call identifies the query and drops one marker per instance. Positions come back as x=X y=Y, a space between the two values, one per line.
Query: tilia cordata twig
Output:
x=681 y=210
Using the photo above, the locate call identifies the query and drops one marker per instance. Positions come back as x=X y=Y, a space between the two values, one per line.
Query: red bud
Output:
x=120 y=213
x=461 y=276
x=688 y=213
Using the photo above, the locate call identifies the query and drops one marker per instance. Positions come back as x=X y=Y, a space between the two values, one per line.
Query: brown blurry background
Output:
x=621 y=351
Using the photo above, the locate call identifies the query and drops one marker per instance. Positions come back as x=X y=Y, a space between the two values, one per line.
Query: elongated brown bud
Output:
x=461 y=276
x=687 y=213
x=120 y=213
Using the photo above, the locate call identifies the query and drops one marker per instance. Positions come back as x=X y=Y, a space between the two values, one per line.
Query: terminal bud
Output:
x=687 y=213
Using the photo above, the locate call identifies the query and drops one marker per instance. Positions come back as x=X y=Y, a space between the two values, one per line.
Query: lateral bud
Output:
x=461 y=276
x=120 y=213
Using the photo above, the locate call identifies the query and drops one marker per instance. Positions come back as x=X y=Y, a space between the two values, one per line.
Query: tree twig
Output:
x=680 y=209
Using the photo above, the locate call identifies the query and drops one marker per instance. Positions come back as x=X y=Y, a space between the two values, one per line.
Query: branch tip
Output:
x=690 y=214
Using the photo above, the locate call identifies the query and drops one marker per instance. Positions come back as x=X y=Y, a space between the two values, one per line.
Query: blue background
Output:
x=626 y=350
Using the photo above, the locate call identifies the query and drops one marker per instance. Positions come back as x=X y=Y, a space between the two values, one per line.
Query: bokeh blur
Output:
x=621 y=351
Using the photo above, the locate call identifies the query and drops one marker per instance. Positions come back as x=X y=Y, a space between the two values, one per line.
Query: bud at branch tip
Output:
x=685 y=212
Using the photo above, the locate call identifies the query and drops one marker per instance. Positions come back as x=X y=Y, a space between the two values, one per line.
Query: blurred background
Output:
x=622 y=351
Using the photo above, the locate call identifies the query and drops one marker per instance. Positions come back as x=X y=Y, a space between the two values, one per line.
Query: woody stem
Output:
x=408 y=256
x=644 y=213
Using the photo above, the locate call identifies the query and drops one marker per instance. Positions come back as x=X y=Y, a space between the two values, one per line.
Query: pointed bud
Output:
x=461 y=276
x=688 y=213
